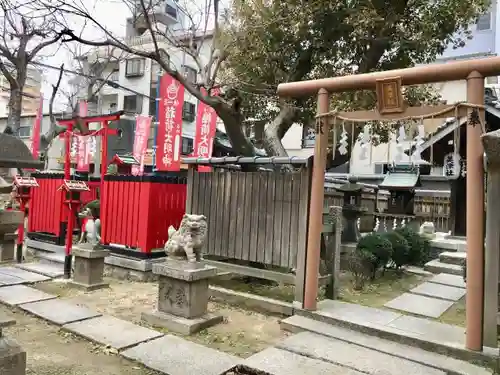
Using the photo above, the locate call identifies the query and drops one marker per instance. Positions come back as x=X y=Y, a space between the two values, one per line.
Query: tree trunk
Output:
x=234 y=129
x=15 y=110
x=275 y=131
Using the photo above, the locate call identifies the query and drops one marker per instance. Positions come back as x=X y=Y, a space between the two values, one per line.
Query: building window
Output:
x=156 y=70
x=134 y=67
x=115 y=75
x=187 y=146
x=24 y=132
x=152 y=103
x=132 y=103
x=171 y=11
x=188 y=112
x=484 y=22
x=189 y=73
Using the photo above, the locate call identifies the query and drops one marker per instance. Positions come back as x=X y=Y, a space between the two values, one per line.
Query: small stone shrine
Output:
x=401 y=181
x=184 y=280
x=13 y=154
x=351 y=209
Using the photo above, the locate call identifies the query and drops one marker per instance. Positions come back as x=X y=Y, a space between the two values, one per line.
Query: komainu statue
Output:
x=187 y=241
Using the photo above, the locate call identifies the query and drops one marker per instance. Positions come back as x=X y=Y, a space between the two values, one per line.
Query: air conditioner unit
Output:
x=166 y=12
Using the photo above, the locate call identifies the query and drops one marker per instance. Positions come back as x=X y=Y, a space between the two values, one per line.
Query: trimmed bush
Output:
x=400 y=249
x=359 y=263
x=420 y=248
x=379 y=247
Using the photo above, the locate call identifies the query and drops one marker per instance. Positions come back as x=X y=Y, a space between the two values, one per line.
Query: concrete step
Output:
x=436 y=266
x=449 y=244
x=50 y=258
x=450 y=366
x=450 y=257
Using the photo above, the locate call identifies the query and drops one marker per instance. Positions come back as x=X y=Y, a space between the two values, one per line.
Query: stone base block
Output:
x=89 y=267
x=179 y=324
x=88 y=287
x=12 y=358
x=7 y=251
x=183 y=287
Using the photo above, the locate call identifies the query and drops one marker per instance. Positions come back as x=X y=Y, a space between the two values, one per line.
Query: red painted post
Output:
x=67 y=152
x=20 y=234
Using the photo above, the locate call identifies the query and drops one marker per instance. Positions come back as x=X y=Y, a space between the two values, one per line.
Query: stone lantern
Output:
x=351 y=209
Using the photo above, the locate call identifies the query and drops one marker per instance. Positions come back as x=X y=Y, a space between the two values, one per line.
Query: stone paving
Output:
x=432 y=298
x=323 y=350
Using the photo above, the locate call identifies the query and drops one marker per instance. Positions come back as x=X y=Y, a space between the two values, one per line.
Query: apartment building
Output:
x=137 y=78
x=31 y=92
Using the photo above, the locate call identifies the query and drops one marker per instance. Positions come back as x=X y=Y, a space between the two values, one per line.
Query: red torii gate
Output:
x=104 y=132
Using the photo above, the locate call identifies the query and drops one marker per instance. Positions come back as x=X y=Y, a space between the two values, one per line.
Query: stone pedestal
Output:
x=12 y=356
x=89 y=268
x=182 y=297
x=7 y=247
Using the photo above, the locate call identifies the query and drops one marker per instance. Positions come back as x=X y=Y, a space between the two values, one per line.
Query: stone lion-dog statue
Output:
x=186 y=242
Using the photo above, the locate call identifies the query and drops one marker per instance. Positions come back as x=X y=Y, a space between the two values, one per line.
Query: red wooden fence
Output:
x=46 y=207
x=136 y=211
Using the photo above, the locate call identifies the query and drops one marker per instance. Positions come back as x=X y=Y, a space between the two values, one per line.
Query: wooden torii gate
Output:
x=474 y=72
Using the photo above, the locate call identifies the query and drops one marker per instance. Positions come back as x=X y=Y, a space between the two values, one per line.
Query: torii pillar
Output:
x=474 y=71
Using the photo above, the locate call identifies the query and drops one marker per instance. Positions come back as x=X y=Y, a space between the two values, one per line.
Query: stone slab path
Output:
x=59 y=312
x=173 y=355
x=28 y=277
x=432 y=298
x=419 y=305
x=18 y=294
x=111 y=331
x=325 y=349
x=46 y=269
x=449 y=293
x=10 y=280
x=450 y=280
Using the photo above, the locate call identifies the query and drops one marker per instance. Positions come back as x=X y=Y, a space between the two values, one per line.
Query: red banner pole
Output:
x=104 y=155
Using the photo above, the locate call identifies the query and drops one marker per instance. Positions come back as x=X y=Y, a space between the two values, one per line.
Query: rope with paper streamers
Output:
x=375 y=116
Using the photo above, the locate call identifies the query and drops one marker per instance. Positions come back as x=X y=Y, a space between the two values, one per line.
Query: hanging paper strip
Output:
x=142 y=127
x=169 y=136
x=365 y=142
x=400 y=144
x=35 y=134
x=343 y=142
x=206 y=126
x=419 y=141
x=82 y=157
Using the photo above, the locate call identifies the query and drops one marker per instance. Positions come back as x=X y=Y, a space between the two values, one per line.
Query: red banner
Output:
x=206 y=125
x=35 y=134
x=82 y=154
x=142 y=126
x=169 y=136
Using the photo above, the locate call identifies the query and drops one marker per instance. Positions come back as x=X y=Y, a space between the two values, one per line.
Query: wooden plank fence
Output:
x=252 y=216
